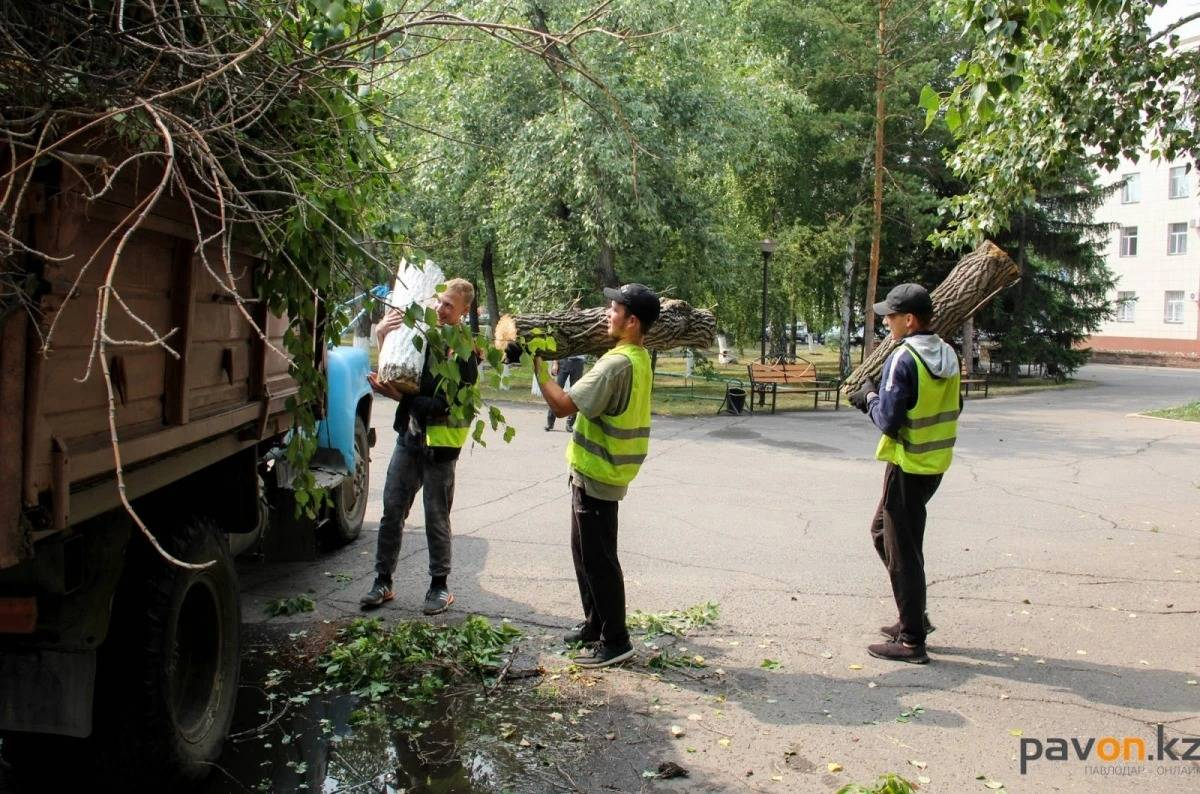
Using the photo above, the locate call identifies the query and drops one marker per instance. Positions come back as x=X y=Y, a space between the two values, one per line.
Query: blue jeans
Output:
x=410 y=471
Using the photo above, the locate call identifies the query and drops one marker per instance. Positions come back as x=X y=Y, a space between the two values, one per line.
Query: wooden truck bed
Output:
x=226 y=391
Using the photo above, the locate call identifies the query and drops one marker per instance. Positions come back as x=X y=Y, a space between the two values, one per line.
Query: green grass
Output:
x=1185 y=413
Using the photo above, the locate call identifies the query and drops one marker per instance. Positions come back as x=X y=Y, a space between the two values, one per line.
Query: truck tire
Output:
x=350 y=498
x=175 y=657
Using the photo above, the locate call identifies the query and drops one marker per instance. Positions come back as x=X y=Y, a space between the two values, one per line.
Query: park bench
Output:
x=976 y=382
x=784 y=378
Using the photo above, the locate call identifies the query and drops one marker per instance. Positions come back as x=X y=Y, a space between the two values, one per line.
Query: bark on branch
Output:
x=975 y=280
x=584 y=331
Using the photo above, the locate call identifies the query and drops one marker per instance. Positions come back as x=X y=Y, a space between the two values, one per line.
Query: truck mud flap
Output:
x=47 y=691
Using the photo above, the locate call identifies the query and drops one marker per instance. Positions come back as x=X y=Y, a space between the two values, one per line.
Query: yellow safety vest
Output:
x=610 y=449
x=925 y=443
x=447 y=432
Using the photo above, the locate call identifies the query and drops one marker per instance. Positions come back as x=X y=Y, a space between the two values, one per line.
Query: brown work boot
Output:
x=895 y=651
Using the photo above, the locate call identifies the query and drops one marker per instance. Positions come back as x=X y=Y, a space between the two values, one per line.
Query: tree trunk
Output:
x=877 y=196
x=968 y=346
x=792 y=332
x=606 y=273
x=487 y=267
x=847 y=309
x=1014 y=366
x=586 y=331
x=473 y=315
x=974 y=281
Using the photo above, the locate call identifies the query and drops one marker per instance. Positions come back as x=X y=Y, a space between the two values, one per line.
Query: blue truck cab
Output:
x=342 y=463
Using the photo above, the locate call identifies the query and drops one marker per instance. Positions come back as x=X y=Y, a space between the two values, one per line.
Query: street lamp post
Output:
x=768 y=248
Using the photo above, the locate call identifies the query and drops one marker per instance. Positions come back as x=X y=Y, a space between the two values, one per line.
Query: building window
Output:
x=1128 y=241
x=1176 y=238
x=1179 y=187
x=1131 y=189
x=1173 y=307
x=1125 y=303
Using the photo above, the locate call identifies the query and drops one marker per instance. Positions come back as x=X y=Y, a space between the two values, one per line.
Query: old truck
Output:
x=100 y=636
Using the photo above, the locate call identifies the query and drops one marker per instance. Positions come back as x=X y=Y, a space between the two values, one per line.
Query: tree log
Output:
x=584 y=331
x=975 y=280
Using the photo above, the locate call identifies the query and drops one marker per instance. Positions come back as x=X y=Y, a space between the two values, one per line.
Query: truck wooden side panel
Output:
x=227 y=384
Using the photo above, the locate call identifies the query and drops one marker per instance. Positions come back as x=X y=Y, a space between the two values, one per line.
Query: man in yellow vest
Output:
x=917 y=409
x=428 y=441
x=608 y=444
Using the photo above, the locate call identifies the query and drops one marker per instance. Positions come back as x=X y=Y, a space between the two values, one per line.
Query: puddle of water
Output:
x=800 y=446
x=463 y=741
x=737 y=433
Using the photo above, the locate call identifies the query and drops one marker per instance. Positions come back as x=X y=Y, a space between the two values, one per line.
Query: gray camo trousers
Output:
x=411 y=471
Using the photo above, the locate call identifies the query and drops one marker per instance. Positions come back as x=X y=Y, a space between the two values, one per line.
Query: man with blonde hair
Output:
x=428 y=442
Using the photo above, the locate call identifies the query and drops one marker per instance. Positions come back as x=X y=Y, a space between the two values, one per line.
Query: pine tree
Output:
x=1062 y=297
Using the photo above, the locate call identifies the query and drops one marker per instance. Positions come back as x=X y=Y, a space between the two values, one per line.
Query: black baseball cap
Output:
x=906 y=299
x=641 y=301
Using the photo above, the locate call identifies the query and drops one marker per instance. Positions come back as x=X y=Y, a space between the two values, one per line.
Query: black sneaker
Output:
x=603 y=655
x=894 y=651
x=583 y=634
x=893 y=631
x=379 y=593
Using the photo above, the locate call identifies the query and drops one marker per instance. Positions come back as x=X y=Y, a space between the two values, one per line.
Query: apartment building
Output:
x=1154 y=251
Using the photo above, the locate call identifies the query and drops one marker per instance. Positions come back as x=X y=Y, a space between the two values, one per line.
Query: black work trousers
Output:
x=601 y=581
x=898 y=531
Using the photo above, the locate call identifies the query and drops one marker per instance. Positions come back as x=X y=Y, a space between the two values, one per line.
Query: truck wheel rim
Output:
x=194 y=678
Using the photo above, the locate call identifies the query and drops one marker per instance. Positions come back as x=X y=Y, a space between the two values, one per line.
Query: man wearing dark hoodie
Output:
x=916 y=408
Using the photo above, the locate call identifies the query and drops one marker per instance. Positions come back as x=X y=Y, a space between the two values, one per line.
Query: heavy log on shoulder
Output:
x=585 y=331
x=974 y=281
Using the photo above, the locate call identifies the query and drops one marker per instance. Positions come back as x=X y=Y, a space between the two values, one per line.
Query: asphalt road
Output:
x=1062 y=554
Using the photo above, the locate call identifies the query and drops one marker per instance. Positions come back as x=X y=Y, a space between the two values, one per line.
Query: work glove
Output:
x=859 y=398
x=513 y=352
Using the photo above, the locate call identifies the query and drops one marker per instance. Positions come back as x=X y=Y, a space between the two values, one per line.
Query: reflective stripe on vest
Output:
x=925 y=443
x=448 y=432
x=610 y=449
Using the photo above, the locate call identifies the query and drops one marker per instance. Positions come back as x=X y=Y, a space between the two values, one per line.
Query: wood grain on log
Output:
x=975 y=280
x=585 y=331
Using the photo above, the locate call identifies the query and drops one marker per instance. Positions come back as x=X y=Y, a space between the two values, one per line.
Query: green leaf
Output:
x=929 y=99
x=953 y=119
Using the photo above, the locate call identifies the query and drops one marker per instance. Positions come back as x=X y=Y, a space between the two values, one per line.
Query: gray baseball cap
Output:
x=906 y=299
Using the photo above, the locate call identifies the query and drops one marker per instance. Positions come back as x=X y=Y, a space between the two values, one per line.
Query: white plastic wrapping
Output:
x=400 y=361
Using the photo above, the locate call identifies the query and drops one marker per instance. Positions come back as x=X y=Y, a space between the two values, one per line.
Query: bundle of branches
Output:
x=584 y=331
x=976 y=279
x=265 y=116
x=270 y=121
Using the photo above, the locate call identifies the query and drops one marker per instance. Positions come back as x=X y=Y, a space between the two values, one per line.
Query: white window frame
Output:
x=1131 y=188
x=1126 y=304
x=1176 y=239
x=1178 y=185
x=1173 y=307
x=1128 y=234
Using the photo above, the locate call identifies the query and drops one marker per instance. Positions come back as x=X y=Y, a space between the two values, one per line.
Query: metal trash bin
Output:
x=734 y=402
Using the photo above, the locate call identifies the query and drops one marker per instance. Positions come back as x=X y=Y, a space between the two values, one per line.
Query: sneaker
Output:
x=583 y=634
x=437 y=601
x=379 y=593
x=570 y=427
x=549 y=427
x=603 y=655
x=899 y=652
x=893 y=631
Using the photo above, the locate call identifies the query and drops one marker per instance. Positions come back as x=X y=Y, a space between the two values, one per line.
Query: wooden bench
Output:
x=798 y=378
x=977 y=381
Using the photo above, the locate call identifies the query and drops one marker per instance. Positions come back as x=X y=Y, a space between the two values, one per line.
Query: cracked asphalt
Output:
x=1063 y=560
